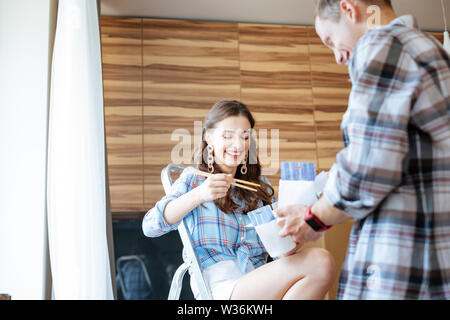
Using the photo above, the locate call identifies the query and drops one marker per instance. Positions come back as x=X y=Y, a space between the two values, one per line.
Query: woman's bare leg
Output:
x=307 y=274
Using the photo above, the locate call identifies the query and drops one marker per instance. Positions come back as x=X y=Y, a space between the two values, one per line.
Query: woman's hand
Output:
x=214 y=187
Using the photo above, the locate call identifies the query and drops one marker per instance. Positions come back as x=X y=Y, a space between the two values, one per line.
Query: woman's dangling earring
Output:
x=210 y=158
x=244 y=166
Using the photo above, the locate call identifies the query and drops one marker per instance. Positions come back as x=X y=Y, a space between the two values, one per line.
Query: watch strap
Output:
x=314 y=222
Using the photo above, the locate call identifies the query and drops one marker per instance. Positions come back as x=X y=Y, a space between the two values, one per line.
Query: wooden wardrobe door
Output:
x=331 y=88
x=188 y=66
x=122 y=88
x=276 y=86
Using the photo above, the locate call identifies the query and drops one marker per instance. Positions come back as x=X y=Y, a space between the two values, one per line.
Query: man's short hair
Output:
x=330 y=9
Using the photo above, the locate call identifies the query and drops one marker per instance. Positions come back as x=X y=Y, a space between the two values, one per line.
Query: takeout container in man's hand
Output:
x=272 y=241
x=299 y=184
x=268 y=231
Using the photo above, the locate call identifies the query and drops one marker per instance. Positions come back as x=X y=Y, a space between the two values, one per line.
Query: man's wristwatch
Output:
x=315 y=223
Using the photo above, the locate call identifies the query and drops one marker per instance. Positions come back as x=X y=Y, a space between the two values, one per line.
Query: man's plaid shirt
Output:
x=393 y=176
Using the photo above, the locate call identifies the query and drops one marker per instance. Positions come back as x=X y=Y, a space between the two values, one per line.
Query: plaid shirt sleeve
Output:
x=154 y=224
x=374 y=126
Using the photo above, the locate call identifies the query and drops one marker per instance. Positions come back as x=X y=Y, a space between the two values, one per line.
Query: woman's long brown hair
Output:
x=220 y=111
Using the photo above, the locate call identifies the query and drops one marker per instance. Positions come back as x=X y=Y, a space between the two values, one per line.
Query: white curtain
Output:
x=76 y=192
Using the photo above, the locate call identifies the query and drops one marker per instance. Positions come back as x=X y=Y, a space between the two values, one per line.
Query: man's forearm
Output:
x=327 y=214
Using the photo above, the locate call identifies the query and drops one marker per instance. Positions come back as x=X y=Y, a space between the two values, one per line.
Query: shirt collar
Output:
x=406 y=20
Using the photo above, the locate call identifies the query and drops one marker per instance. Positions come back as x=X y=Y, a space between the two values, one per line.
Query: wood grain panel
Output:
x=287 y=77
x=331 y=88
x=276 y=86
x=188 y=66
x=439 y=36
x=122 y=89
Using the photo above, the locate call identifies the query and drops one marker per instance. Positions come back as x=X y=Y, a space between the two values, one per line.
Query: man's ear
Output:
x=350 y=10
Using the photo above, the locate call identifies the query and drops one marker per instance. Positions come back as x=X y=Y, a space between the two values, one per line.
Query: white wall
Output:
x=25 y=28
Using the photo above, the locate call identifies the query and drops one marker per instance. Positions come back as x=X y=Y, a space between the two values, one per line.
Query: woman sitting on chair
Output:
x=232 y=257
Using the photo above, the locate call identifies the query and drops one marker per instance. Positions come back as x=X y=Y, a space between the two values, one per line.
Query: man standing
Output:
x=393 y=176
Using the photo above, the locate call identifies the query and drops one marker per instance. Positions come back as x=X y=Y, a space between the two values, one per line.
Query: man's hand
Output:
x=294 y=224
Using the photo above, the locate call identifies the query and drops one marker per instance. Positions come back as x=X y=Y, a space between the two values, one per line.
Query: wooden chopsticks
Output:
x=235 y=181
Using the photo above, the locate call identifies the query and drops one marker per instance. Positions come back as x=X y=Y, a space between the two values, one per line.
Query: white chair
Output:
x=191 y=261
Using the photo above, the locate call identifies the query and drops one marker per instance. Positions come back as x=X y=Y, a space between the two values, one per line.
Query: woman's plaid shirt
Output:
x=216 y=235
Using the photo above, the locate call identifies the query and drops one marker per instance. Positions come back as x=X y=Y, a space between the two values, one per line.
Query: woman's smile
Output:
x=235 y=155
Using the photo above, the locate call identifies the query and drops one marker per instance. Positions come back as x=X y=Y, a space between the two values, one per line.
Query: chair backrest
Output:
x=131 y=274
x=196 y=273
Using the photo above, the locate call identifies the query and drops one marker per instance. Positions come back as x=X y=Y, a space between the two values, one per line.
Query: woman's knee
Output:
x=322 y=266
